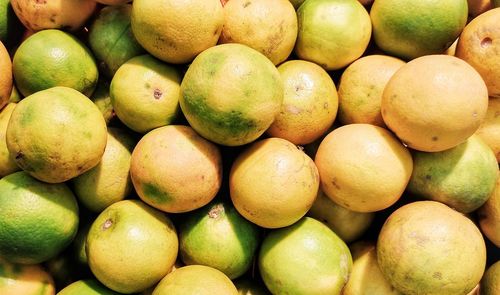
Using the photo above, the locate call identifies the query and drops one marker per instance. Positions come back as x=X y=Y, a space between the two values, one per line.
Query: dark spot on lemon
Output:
x=157 y=93
x=486 y=42
x=107 y=224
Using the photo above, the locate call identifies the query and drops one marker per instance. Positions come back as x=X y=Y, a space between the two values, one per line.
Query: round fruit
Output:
x=35 y=129
x=462 y=177
x=366 y=277
x=79 y=243
x=219 y=237
x=332 y=33
x=309 y=105
x=270 y=27
x=126 y=227
x=409 y=29
x=109 y=181
x=86 y=287
x=16 y=279
x=145 y=93
x=273 y=183
x=111 y=38
x=440 y=109
x=490 y=283
x=428 y=248
x=37 y=219
x=355 y=162
x=102 y=100
x=176 y=31
x=231 y=94
x=54 y=58
x=39 y=15
x=5 y=76
x=195 y=280
x=489 y=131
x=7 y=163
x=489 y=216
x=176 y=170
x=348 y=225
x=361 y=87
x=304 y=258
x=479 y=45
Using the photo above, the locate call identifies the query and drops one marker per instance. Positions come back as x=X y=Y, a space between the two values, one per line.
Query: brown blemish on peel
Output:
x=486 y=42
x=157 y=93
x=215 y=211
x=107 y=224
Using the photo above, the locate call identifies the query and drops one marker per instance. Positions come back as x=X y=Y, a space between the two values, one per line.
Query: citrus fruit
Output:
x=126 y=227
x=54 y=58
x=410 y=29
x=78 y=244
x=267 y=26
x=145 y=93
x=35 y=128
x=102 y=100
x=489 y=130
x=231 y=94
x=304 y=258
x=489 y=216
x=195 y=280
x=218 y=236
x=15 y=96
x=348 y=225
x=479 y=45
x=354 y=163
x=309 y=105
x=490 y=283
x=109 y=181
x=176 y=170
x=426 y=247
x=366 y=277
x=39 y=15
x=7 y=163
x=273 y=183
x=111 y=38
x=462 y=177
x=16 y=279
x=86 y=287
x=440 y=109
x=37 y=220
x=246 y=286
x=5 y=76
x=177 y=31
x=332 y=33
x=361 y=87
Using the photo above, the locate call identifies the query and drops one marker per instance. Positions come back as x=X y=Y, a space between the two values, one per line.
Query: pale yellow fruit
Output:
x=19 y=279
x=7 y=163
x=489 y=131
x=489 y=216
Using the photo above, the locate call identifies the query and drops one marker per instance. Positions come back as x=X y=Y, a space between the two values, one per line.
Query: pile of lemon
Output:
x=250 y=147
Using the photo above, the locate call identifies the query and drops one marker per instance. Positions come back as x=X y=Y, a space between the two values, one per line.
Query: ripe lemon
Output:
x=54 y=14
x=176 y=31
x=86 y=287
x=126 y=227
x=361 y=86
x=7 y=163
x=348 y=225
x=489 y=216
x=438 y=110
x=176 y=170
x=102 y=100
x=354 y=163
x=304 y=258
x=409 y=29
x=111 y=38
x=35 y=129
x=273 y=183
x=195 y=280
x=5 y=76
x=145 y=93
x=479 y=45
x=37 y=219
x=231 y=94
x=332 y=33
x=270 y=27
x=490 y=283
x=462 y=177
x=16 y=279
x=426 y=247
x=489 y=131
x=309 y=105
x=52 y=58
x=219 y=237
x=109 y=181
